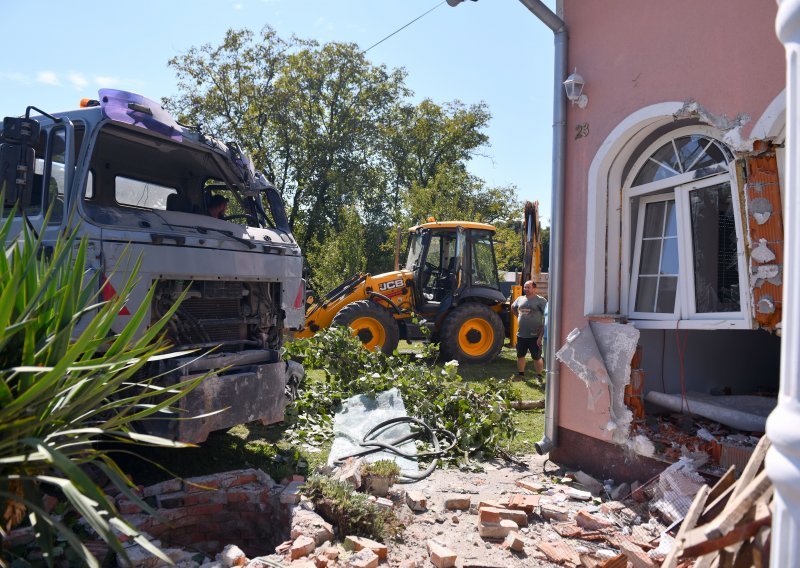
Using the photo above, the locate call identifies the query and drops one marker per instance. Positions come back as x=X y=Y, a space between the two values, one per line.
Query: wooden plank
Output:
x=753 y=465
x=698 y=544
x=723 y=483
x=717 y=506
x=689 y=522
x=706 y=561
x=738 y=506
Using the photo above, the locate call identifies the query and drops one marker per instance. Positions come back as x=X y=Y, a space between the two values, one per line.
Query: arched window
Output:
x=685 y=248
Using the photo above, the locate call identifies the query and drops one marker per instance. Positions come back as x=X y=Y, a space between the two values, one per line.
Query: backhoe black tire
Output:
x=472 y=333
x=372 y=324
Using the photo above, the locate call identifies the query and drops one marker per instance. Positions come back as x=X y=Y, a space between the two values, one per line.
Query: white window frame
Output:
x=679 y=186
x=634 y=279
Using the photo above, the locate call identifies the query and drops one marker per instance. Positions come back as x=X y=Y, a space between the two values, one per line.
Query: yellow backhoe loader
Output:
x=449 y=284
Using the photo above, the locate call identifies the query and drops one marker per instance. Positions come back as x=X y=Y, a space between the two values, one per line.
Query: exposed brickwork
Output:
x=242 y=507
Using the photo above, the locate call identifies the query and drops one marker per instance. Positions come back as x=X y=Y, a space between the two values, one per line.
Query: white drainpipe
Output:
x=783 y=425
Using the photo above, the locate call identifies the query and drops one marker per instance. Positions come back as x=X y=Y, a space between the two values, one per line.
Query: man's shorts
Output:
x=525 y=344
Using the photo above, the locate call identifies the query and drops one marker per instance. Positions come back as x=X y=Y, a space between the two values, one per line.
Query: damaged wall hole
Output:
x=206 y=513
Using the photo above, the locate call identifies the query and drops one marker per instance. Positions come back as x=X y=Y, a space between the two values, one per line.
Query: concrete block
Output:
x=416 y=501
x=499 y=530
x=232 y=555
x=555 y=513
x=589 y=483
x=291 y=494
x=363 y=559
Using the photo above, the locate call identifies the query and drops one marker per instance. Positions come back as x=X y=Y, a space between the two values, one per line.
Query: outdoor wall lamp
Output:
x=574 y=88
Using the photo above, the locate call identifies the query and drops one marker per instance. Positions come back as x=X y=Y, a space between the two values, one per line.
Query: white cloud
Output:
x=77 y=80
x=238 y=7
x=16 y=77
x=48 y=78
x=104 y=81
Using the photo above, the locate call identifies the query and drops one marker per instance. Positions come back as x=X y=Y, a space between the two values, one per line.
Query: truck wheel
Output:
x=472 y=333
x=373 y=325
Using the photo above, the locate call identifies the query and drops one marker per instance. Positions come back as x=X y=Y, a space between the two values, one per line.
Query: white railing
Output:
x=783 y=425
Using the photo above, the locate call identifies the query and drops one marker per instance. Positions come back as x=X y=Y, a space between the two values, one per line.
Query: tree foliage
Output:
x=338 y=134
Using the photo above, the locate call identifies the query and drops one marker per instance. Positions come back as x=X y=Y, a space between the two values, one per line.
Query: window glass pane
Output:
x=646 y=293
x=651 y=256
x=690 y=148
x=654 y=219
x=669 y=257
x=714 y=246
x=141 y=193
x=671 y=229
x=667 y=288
x=693 y=153
x=652 y=171
x=485 y=271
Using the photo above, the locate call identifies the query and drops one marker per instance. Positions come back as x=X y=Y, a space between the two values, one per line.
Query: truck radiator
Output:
x=212 y=320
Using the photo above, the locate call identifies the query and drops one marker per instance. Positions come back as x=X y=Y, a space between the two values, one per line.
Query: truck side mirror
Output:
x=17 y=159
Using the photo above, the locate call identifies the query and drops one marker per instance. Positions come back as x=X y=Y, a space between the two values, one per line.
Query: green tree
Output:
x=340 y=255
x=337 y=133
x=309 y=115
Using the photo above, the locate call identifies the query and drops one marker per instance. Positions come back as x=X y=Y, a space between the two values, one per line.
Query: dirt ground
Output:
x=458 y=530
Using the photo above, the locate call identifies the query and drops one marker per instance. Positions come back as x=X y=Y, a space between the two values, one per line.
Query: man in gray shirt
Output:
x=529 y=309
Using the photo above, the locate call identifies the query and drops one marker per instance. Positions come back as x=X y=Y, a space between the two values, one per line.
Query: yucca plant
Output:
x=67 y=391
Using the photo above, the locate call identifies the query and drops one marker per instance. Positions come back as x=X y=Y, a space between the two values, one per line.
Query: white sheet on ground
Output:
x=359 y=414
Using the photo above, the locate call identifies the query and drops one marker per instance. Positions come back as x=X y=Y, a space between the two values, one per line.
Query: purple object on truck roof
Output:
x=137 y=110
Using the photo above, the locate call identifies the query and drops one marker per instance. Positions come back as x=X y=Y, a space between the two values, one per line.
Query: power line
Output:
x=404 y=27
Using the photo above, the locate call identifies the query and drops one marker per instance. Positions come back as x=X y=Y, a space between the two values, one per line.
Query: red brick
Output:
x=359 y=543
x=457 y=503
x=489 y=515
x=441 y=556
x=127 y=507
x=559 y=552
x=239 y=480
x=208 y=509
x=302 y=546
x=534 y=486
x=591 y=522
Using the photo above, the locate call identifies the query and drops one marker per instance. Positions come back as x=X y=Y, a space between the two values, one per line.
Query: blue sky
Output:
x=491 y=50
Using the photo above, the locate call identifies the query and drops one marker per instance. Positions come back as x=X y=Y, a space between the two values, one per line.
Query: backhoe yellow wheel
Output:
x=472 y=333
x=372 y=324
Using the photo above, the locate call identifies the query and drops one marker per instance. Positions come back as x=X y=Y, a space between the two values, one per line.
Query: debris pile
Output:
x=677 y=436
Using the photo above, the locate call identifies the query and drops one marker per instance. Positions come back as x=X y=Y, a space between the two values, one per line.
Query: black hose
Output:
x=372 y=446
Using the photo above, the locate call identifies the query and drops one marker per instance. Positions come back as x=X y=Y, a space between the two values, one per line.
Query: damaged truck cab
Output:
x=137 y=185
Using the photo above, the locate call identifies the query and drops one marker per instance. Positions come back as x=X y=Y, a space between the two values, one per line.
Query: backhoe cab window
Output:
x=484 y=267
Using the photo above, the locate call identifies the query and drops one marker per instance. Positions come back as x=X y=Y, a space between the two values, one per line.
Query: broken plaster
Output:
x=731 y=129
x=600 y=355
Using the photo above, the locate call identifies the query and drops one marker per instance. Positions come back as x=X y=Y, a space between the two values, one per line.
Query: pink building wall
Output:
x=634 y=53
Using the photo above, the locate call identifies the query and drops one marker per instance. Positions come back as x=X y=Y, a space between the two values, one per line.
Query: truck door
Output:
x=44 y=196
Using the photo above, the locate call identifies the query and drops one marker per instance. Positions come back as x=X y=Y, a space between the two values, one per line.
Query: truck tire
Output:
x=372 y=324
x=472 y=333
